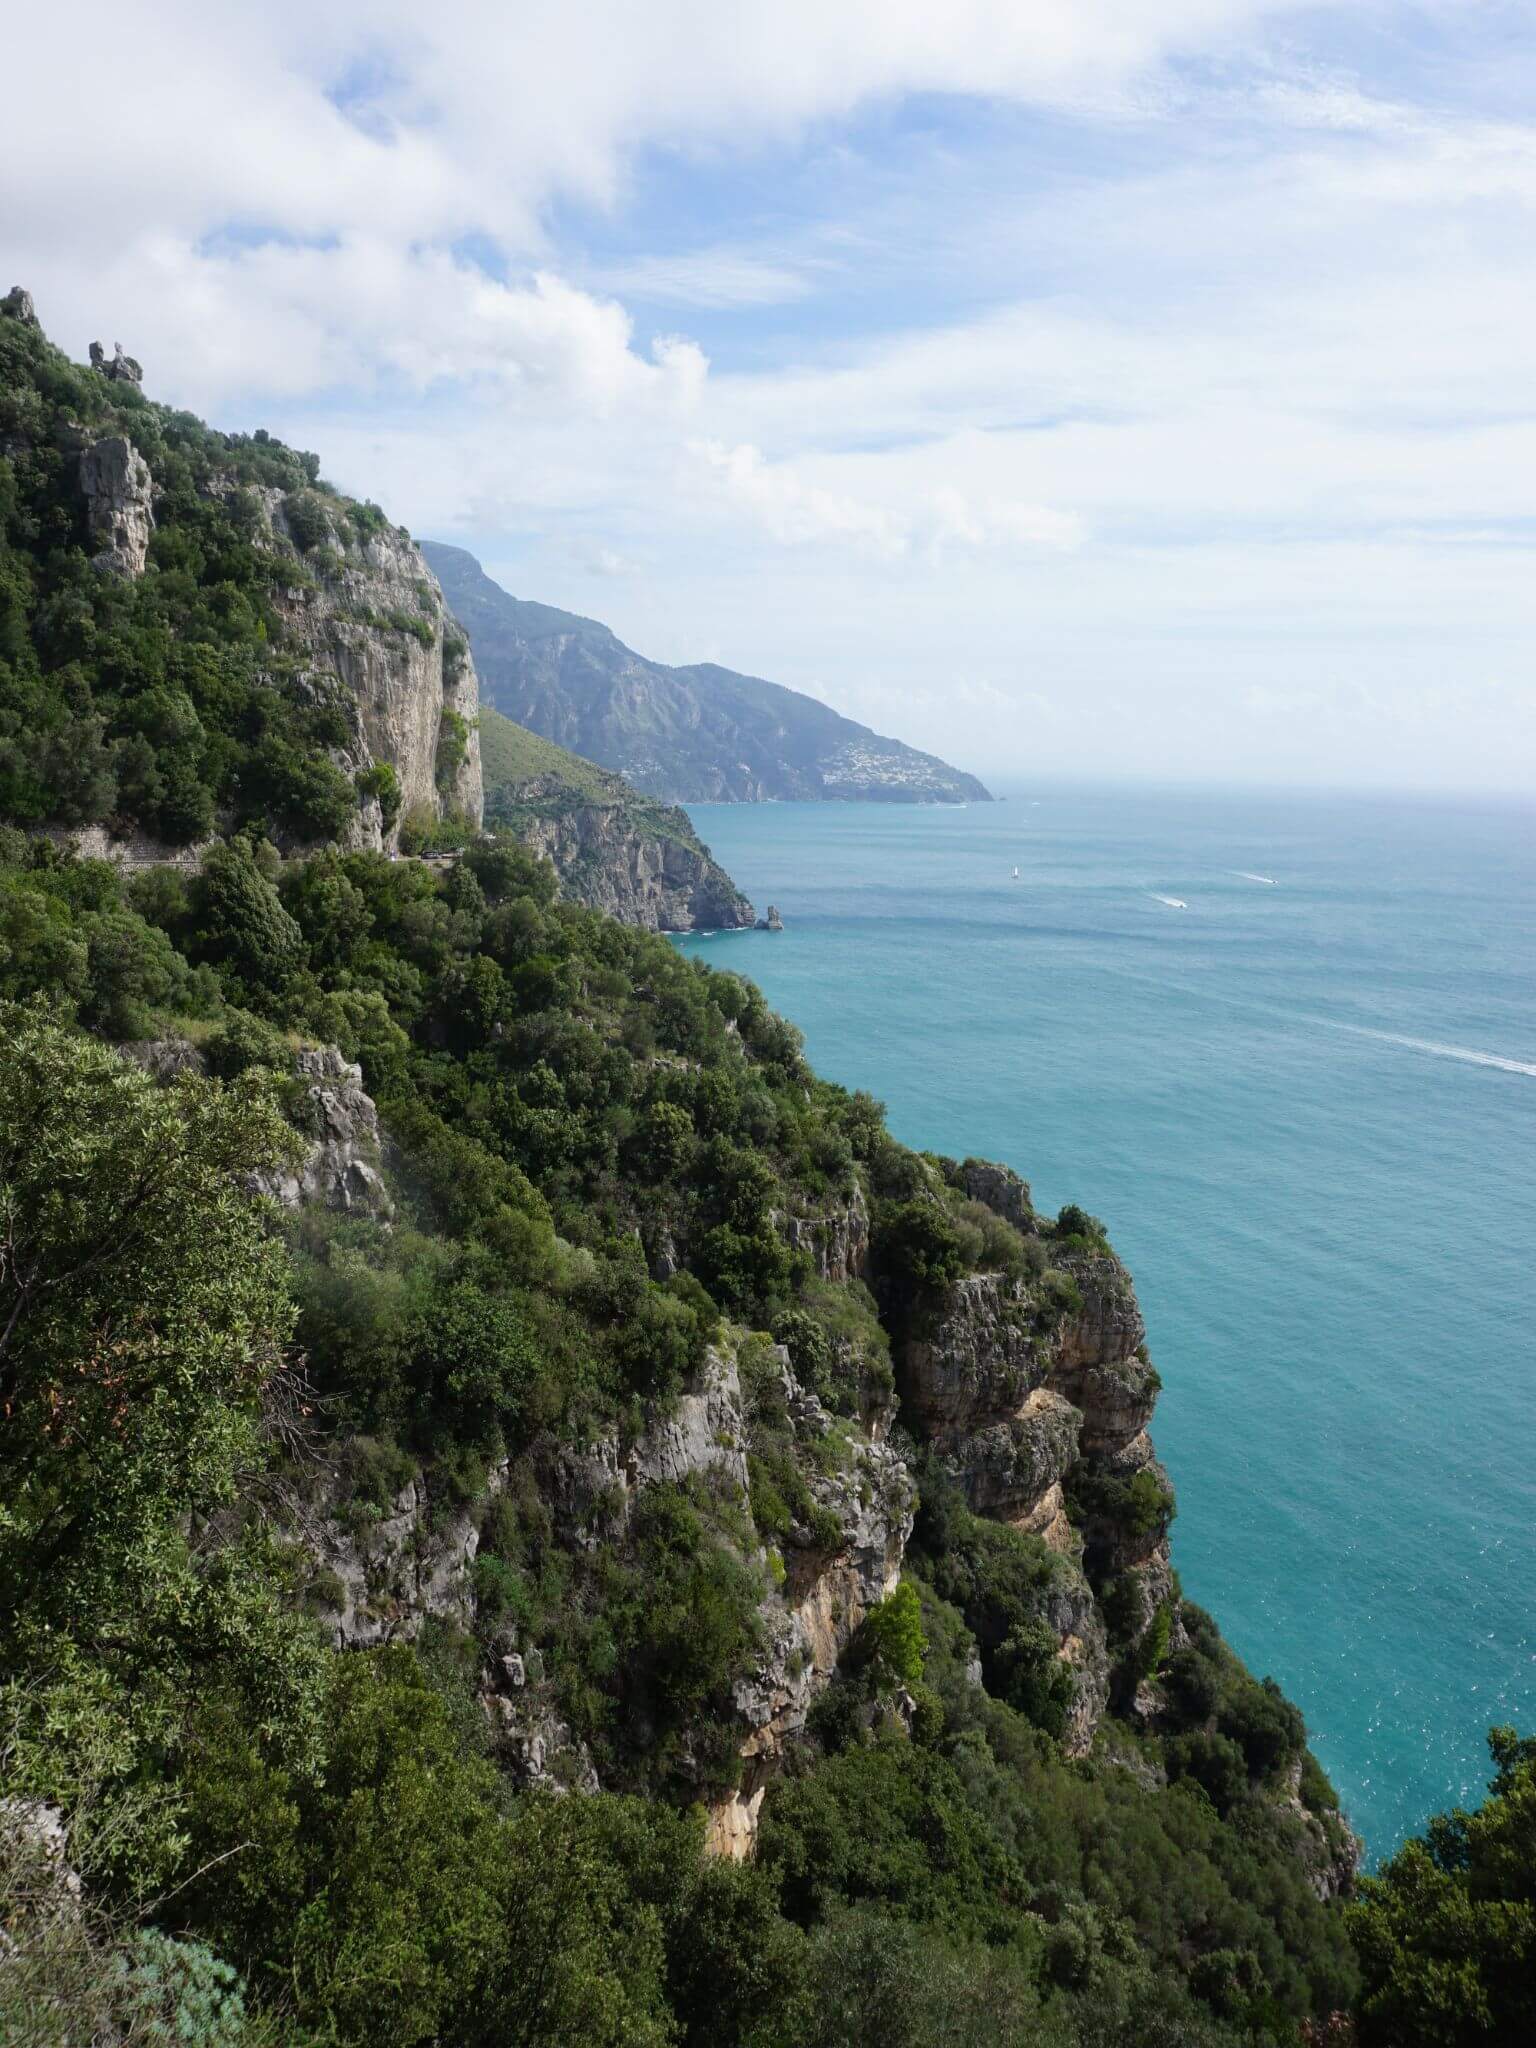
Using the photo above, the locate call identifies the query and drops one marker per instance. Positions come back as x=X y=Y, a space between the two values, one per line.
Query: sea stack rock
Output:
x=772 y=922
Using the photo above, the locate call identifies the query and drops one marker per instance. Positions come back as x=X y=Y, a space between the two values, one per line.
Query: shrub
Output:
x=380 y=780
x=307 y=519
x=891 y=1634
x=452 y=738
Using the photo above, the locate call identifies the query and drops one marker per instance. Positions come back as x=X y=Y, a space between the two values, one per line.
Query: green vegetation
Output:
x=553 y=1084
x=220 y=1415
x=528 y=778
x=1446 y=1934
x=169 y=701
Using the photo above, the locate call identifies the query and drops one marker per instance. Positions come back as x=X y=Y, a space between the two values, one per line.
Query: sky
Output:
x=1104 y=388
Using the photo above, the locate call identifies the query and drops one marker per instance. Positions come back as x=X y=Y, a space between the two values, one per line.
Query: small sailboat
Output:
x=1015 y=874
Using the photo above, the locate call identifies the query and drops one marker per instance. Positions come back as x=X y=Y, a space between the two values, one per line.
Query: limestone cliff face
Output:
x=381 y=645
x=837 y=1242
x=832 y=1574
x=340 y=1169
x=1029 y=1400
x=607 y=861
x=380 y=1576
x=118 y=491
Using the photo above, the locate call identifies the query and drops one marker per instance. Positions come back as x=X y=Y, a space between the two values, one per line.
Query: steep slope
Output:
x=609 y=1311
x=698 y=734
x=197 y=631
x=612 y=848
x=456 y=1350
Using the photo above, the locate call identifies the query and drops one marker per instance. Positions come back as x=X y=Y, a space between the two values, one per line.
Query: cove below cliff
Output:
x=1279 y=1099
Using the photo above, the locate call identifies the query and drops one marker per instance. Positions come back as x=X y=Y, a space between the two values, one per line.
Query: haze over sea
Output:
x=1286 y=1048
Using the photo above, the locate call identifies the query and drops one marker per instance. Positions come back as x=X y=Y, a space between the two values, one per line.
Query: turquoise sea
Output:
x=1286 y=1048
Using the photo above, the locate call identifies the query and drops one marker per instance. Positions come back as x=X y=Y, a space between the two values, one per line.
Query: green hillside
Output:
x=512 y=758
x=527 y=1515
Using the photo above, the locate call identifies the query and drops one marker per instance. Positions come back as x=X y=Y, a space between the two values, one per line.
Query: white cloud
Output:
x=1236 y=411
x=797 y=512
x=709 y=278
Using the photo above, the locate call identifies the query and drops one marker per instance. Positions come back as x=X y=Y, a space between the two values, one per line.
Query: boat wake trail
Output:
x=1173 y=902
x=1467 y=1053
x=1246 y=875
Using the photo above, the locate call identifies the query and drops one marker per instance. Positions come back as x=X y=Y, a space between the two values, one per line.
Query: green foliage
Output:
x=1074 y=1226
x=892 y=1635
x=143 y=1311
x=452 y=740
x=1446 y=1932
x=918 y=1245
x=381 y=781
x=1003 y=1582
x=241 y=922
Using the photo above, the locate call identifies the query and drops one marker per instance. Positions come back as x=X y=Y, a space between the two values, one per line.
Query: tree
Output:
x=242 y=924
x=892 y=1633
x=143 y=1313
x=1446 y=1933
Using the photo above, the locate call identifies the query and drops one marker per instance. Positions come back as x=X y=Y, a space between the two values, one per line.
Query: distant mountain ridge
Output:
x=697 y=734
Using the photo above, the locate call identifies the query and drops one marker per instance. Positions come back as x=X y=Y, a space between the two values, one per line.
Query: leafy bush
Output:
x=891 y=1634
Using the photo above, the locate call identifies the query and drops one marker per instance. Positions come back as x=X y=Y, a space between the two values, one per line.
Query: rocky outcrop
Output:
x=119 y=367
x=528 y=1735
x=973 y=1359
x=773 y=922
x=836 y=1242
x=1327 y=1845
x=118 y=491
x=810 y=1621
x=340 y=1170
x=1109 y=1327
x=607 y=859
x=829 y=1576
x=705 y=1432
x=381 y=646
x=164 y=1059
x=17 y=305
x=380 y=1573
x=1031 y=1404
x=1013 y=1469
x=1001 y=1189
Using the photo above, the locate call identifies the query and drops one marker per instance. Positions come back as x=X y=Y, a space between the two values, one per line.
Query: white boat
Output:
x=1015 y=874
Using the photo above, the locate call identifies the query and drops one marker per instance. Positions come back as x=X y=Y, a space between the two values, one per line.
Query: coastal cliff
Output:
x=613 y=849
x=1026 y=1388
x=510 y=1477
x=314 y=682
x=368 y=621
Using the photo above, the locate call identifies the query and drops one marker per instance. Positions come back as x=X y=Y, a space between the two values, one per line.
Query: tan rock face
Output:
x=118 y=491
x=837 y=1243
x=1019 y=1403
x=604 y=861
x=1008 y=1468
x=976 y=1362
x=376 y=623
x=1110 y=1325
